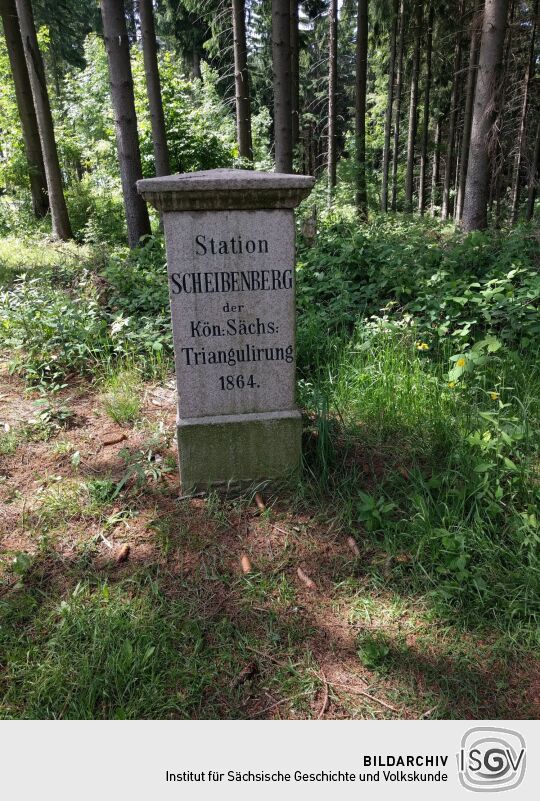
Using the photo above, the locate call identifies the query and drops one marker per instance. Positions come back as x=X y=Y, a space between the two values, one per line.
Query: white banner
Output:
x=264 y=760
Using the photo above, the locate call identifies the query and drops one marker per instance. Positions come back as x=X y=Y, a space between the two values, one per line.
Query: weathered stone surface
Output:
x=225 y=189
x=230 y=254
x=234 y=348
x=238 y=449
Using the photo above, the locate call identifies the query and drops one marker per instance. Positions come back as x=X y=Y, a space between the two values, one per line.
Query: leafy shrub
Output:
x=96 y=212
x=451 y=288
x=138 y=301
x=200 y=129
x=51 y=333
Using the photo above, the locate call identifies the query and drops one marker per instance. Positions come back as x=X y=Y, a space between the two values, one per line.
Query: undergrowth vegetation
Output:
x=418 y=355
x=419 y=379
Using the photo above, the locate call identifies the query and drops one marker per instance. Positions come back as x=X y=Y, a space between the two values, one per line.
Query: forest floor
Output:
x=121 y=599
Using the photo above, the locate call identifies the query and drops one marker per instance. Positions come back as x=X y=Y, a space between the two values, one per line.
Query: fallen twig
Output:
x=123 y=555
x=325 y=698
x=105 y=540
x=353 y=547
x=366 y=695
x=246 y=563
x=261 y=506
x=281 y=530
x=305 y=579
x=278 y=703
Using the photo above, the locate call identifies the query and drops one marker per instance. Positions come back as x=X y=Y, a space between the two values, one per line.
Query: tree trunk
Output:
x=529 y=75
x=496 y=155
x=332 y=84
x=360 y=107
x=61 y=227
x=281 y=68
x=25 y=106
x=425 y=123
x=295 y=74
x=413 y=108
x=131 y=22
x=445 y=211
x=436 y=170
x=468 y=112
x=485 y=110
x=533 y=175
x=196 y=73
x=153 y=87
x=123 y=101
x=389 y=109
x=399 y=82
x=241 y=81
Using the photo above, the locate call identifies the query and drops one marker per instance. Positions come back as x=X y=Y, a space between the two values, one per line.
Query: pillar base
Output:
x=238 y=449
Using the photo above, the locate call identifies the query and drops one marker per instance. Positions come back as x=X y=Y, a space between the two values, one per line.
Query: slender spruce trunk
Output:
x=425 y=122
x=61 y=227
x=360 y=107
x=241 y=81
x=436 y=168
x=451 y=142
x=153 y=87
x=485 y=111
x=533 y=176
x=529 y=75
x=123 y=102
x=413 y=108
x=25 y=107
x=496 y=154
x=399 y=92
x=332 y=87
x=295 y=74
x=281 y=69
x=389 y=108
x=468 y=111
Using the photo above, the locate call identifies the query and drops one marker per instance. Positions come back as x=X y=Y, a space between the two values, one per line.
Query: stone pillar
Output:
x=230 y=252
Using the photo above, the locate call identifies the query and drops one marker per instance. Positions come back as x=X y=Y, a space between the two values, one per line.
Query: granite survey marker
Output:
x=230 y=253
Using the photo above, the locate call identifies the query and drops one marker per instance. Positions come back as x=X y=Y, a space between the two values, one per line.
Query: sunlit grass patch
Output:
x=29 y=256
x=122 y=397
x=66 y=499
x=9 y=440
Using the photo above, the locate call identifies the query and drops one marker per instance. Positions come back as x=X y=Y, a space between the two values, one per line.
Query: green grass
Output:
x=445 y=476
x=30 y=256
x=122 y=397
x=129 y=651
x=9 y=441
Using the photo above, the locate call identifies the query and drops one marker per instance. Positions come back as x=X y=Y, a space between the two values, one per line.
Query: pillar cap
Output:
x=225 y=189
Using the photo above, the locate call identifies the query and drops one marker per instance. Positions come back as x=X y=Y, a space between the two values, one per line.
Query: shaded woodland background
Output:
x=415 y=105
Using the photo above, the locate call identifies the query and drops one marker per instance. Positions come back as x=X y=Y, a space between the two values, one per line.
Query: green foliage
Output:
x=122 y=398
x=51 y=333
x=200 y=131
x=69 y=320
x=34 y=255
x=96 y=211
x=200 y=134
x=8 y=441
x=373 y=650
x=138 y=302
x=452 y=290
x=104 y=653
x=420 y=341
